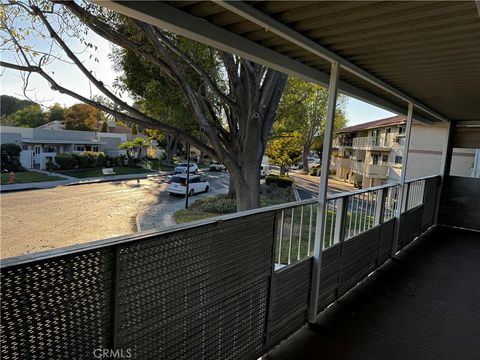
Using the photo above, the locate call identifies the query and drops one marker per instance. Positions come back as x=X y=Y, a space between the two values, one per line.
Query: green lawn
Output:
x=97 y=172
x=156 y=164
x=196 y=211
x=302 y=241
x=28 y=177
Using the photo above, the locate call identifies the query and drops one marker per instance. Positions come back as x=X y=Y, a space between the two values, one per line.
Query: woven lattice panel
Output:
x=197 y=294
x=289 y=299
x=430 y=202
x=358 y=258
x=329 y=276
x=57 y=308
x=386 y=241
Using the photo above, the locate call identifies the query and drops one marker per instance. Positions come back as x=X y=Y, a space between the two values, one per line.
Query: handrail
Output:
x=123 y=239
x=373 y=188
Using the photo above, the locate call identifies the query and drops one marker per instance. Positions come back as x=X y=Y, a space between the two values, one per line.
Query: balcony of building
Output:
x=371 y=171
x=342 y=143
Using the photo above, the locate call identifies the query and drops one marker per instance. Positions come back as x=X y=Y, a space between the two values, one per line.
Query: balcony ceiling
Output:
x=429 y=51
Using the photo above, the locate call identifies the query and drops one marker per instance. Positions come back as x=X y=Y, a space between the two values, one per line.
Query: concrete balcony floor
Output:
x=424 y=305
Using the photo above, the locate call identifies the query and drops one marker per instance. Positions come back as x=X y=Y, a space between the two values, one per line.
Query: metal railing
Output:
x=364 y=209
x=231 y=286
x=342 y=142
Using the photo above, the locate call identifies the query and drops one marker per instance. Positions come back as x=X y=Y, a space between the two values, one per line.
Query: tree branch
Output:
x=142 y=119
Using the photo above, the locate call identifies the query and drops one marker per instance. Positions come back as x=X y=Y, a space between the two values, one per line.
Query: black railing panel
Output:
x=290 y=293
x=58 y=308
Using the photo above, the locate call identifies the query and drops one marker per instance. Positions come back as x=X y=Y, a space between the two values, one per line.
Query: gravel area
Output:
x=39 y=220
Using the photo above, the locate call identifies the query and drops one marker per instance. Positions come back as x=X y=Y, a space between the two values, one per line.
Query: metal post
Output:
x=401 y=194
x=444 y=167
x=188 y=175
x=380 y=206
x=322 y=194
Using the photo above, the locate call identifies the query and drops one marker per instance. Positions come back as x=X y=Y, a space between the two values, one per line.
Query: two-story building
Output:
x=41 y=145
x=371 y=153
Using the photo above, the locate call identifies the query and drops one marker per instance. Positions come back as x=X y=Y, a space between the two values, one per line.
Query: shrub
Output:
x=80 y=160
x=101 y=160
x=121 y=160
x=314 y=170
x=50 y=166
x=66 y=161
x=281 y=181
x=11 y=157
x=217 y=205
x=90 y=158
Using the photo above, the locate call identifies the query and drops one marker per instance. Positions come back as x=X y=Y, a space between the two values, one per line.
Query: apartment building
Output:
x=371 y=154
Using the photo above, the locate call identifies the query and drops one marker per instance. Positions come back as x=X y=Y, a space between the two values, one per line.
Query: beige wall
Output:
x=426 y=150
x=462 y=162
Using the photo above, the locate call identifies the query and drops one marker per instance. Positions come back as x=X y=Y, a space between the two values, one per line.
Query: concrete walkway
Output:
x=161 y=215
x=69 y=180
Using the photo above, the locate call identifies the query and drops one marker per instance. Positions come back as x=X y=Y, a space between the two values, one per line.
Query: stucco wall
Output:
x=462 y=162
x=426 y=150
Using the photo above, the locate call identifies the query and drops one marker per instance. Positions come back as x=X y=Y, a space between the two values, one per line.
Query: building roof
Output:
x=60 y=141
x=394 y=120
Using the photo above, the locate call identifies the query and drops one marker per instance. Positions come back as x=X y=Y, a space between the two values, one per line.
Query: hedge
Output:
x=281 y=181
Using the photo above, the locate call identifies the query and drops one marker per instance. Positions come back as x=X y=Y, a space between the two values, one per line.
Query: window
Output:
x=95 y=148
x=401 y=129
x=80 y=148
x=388 y=130
x=375 y=159
x=398 y=159
x=49 y=148
x=385 y=159
x=24 y=147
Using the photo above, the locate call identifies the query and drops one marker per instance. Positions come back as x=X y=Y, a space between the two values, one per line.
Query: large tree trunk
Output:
x=247 y=188
x=231 y=189
x=305 y=160
x=172 y=143
x=201 y=157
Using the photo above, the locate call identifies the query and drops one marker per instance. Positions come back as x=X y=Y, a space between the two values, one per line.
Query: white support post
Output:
x=401 y=194
x=444 y=166
x=322 y=194
x=380 y=206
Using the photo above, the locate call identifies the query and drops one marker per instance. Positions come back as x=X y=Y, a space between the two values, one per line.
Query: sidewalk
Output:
x=70 y=181
x=161 y=215
x=334 y=184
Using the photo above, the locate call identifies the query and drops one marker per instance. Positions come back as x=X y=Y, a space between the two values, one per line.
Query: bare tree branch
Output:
x=139 y=119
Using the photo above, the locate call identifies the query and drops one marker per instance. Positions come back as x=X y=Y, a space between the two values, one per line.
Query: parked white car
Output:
x=217 y=167
x=178 y=185
x=182 y=168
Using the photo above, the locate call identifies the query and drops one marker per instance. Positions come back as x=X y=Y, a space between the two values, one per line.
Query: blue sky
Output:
x=67 y=75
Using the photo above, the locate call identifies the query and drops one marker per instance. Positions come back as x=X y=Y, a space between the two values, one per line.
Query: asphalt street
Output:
x=39 y=220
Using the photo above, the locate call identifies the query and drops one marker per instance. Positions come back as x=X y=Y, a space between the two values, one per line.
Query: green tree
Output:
x=134 y=129
x=31 y=116
x=104 y=127
x=303 y=110
x=232 y=100
x=134 y=148
x=285 y=150
x=82 y=117
x=11 y=104
x=56 y=112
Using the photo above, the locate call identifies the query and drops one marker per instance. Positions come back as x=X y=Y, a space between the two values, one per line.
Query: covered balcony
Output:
x=385 y=272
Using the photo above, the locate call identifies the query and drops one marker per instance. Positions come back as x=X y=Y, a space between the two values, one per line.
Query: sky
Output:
x=67 y=75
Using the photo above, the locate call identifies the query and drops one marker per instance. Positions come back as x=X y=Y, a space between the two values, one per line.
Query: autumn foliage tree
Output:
x=82 y=117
